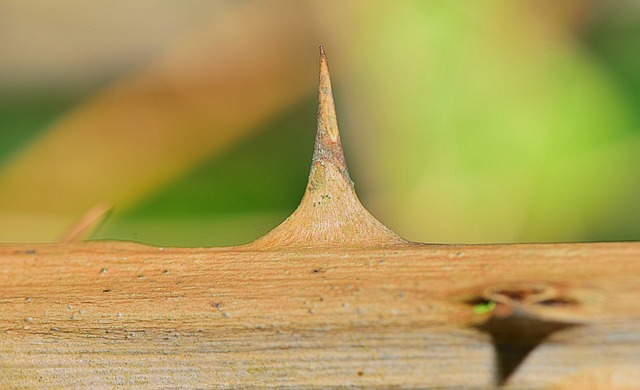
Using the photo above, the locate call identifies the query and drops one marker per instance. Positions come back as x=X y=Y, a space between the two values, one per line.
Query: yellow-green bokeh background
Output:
x=462 y=121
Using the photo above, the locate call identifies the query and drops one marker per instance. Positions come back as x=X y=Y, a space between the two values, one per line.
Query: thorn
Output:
x=330 y=212
x=515 y=337
x=328 y=147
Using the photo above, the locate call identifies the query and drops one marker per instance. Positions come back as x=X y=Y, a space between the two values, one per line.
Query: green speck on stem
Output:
x=484 y=307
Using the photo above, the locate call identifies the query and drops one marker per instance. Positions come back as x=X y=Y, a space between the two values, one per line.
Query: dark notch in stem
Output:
x=524 y=316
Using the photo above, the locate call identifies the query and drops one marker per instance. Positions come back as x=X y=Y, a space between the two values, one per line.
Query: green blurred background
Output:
x=465 y=121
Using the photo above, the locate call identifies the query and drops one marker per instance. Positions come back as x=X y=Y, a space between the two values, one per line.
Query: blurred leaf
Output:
x=472 y=111
x=23 y=116
x=233 y=197
x=195 y=101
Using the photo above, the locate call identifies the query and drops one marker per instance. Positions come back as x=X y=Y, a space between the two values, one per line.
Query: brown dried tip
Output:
x=330 y=213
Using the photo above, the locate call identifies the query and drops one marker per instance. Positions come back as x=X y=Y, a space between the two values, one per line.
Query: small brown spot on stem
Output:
x=26 y=252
